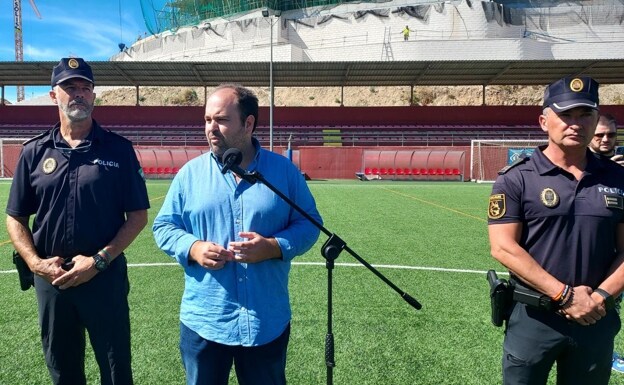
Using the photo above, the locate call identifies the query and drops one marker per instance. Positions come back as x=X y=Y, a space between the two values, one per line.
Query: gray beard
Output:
x=76 y=115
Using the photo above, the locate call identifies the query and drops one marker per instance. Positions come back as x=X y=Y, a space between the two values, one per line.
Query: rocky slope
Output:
x=354 y=96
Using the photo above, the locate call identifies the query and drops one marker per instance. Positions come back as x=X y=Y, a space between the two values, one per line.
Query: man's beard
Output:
x=77 y=114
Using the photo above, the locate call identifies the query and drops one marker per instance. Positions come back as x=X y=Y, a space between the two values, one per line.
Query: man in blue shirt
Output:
x=235 y=242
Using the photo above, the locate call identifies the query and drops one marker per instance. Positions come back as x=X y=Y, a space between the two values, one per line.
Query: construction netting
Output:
x=170 y=15
x=537 y=15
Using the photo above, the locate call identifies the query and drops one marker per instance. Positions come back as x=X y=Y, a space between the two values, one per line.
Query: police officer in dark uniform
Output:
x=556 y=222
x=85 y=187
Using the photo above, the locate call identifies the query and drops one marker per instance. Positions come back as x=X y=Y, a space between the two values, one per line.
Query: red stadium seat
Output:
x=424 y=171
x=167 y=170
x=399 y=171
x=368 y=171
x=448 y=171
x=383 y=171
x=175 y=170
x=432 y=171
x=407 y=171
x=456 y=171
x=415 y=171
x=439 y=171
x=375 y=171
x=391 y=171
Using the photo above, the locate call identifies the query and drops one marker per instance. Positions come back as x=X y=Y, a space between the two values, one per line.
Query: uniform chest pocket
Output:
x=604 y=205
x=614 y=202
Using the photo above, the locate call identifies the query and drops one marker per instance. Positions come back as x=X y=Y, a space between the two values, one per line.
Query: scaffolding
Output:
x=163 y=15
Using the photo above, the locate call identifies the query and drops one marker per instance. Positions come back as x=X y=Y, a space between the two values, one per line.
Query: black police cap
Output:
x=571 y=92
x=69 y=68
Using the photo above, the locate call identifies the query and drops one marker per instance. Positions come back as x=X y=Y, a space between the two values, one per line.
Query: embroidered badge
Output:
x=73 y=63
x=49 y=165
x=576 y=85
x=549 y=197
x=497 y=206
x=614 y=202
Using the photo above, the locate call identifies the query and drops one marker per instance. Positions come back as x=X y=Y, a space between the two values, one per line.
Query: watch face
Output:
x=100 y=263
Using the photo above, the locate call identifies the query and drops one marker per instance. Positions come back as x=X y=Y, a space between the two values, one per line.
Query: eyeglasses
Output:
x=82 y=147
x=609 y=135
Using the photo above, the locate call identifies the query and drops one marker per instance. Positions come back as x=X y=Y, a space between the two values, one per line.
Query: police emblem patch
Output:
x=549 y=197
x=73 y=63
x=49 y=165
x=576 y=85
x=497 y=206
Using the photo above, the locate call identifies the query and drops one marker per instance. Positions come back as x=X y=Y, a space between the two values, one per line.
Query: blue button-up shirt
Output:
x=241 y=304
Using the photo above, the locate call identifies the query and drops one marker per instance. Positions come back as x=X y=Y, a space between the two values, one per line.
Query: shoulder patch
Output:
x=497 y=206
x=517 y=162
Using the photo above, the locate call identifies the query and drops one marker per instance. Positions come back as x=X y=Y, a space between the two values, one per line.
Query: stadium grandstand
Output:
x=459 y=42
x=325 y=30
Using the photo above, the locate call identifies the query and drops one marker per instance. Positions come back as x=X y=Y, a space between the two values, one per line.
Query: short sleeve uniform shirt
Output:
x=568 y=226
x=79 y=197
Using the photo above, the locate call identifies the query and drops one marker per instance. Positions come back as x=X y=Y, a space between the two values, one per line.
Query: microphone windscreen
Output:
x=233 y=156
x=231 y=159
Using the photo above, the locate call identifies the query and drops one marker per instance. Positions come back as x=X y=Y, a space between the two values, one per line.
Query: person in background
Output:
x=604 y=144
x=406 y=33
x=235 y=242
x=85 y=188
x=556 y=222
x=605 y=137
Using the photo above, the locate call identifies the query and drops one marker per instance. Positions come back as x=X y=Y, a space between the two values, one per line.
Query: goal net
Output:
x=10 y=149
x=489 y=156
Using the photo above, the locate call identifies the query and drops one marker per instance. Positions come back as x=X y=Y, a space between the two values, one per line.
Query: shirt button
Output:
x=243 y=308
x=240 y=280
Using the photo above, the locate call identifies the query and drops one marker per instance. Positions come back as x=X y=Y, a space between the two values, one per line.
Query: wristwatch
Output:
x=101 y=263
x=608 y=298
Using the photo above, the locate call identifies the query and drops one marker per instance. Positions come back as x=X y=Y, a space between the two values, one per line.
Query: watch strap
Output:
x=609 y=300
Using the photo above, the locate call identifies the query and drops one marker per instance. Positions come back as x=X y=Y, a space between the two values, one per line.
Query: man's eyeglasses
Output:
x=82 y=147
x=609 y=135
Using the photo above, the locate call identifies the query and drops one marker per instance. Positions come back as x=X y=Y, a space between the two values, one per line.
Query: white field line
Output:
x=400 y=267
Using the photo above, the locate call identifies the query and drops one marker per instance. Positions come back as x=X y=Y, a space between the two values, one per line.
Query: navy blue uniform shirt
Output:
x=79 y=197
x=568 y=226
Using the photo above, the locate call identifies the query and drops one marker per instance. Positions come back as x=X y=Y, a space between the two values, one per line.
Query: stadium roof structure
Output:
x=324 y=74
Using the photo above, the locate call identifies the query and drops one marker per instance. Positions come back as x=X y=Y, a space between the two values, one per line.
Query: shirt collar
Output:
x=55 y=137
x=543 y=165
x=253 y=163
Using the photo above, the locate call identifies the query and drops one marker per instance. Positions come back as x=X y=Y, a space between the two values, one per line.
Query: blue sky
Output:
x=90 y=29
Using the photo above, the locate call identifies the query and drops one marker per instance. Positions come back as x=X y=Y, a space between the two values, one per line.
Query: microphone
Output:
x=231 y=160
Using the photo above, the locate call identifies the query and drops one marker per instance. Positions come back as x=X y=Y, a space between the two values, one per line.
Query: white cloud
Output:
x=36 y=54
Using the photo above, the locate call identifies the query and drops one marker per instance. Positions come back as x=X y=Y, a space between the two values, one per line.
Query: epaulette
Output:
x=513 y=164
x=40 y=136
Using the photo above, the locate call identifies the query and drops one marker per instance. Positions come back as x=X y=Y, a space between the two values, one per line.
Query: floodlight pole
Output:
x=271 y=17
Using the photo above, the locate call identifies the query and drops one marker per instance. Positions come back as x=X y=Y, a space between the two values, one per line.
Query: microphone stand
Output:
x=330 y=250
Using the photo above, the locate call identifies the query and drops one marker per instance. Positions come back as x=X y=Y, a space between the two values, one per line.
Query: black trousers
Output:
x=100 y=307
x=536 y=339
